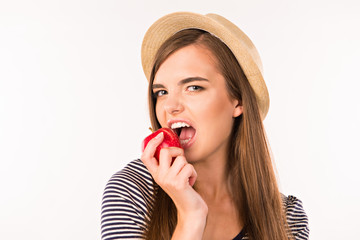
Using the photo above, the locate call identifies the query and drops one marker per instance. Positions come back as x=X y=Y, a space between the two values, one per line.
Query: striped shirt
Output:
x=128 y=196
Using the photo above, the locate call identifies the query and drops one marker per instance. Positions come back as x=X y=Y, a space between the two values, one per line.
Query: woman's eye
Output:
x=194 y=88
x=159 y=93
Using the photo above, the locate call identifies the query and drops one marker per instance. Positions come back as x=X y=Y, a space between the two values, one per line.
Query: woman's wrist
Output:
x=190 y=226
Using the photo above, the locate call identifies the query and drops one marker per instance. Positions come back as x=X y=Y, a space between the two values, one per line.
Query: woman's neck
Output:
x=212 y=181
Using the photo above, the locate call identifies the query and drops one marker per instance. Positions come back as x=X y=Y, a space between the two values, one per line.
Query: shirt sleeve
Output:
x=297 y=218
x=125 y=204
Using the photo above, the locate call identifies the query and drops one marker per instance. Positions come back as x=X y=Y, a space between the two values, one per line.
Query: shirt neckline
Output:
x=240 y=235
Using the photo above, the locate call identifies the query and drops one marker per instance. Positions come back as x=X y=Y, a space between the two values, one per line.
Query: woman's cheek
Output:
x=208 y=107
x=160 y=112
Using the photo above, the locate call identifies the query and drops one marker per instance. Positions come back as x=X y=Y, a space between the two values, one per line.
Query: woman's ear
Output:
x=238 y=110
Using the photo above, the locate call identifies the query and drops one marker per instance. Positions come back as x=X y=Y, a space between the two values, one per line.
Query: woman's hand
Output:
x=176 y=180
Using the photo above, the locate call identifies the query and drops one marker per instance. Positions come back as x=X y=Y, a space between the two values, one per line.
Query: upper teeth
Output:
x=179 y=125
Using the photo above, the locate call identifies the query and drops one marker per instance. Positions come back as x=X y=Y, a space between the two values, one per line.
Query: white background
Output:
x=73 y=106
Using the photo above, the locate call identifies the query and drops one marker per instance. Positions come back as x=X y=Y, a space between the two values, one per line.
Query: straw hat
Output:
x=241 y=46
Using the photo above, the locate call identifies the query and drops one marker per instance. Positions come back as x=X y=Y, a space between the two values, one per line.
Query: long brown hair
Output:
x=249 y=166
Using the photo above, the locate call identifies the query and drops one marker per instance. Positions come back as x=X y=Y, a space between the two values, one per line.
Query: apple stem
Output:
x=150 y=128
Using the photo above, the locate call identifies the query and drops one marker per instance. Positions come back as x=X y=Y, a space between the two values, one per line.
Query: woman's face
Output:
x=192 y=98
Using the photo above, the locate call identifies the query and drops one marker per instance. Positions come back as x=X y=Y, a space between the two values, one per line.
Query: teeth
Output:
x=179 y=125
x=185 y=141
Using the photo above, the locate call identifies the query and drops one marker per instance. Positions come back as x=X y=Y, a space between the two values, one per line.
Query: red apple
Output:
x=171 y=139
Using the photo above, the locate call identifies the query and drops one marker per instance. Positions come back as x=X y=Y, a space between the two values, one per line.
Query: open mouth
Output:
x=185 y=132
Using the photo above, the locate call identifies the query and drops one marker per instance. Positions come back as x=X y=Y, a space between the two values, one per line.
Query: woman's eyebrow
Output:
x=182 y=82
x=155 y=86
x=192 y=79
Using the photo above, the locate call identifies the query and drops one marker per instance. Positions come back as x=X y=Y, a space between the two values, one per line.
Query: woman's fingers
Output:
x=167 y=155
x=147 y=156
x=188 y=172
x=179 y=176
x=161 y=166
x=165 y=171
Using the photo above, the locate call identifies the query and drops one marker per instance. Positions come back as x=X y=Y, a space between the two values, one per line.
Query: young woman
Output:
x=205 y=82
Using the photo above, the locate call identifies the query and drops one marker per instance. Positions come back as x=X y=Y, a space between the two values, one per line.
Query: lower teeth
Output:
x=185 y=141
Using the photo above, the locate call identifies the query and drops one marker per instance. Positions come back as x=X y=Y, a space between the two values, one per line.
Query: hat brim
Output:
x=236 y=40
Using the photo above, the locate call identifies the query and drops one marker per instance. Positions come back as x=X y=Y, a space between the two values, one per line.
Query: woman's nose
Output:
x=173 y=105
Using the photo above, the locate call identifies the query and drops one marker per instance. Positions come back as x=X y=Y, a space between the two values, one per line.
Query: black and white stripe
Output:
x=296 y=217
x=128 y=195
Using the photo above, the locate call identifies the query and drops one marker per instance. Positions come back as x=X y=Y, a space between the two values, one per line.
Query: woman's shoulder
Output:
x=132 y=185
x=133 y=181
x=127 y=198
x=136 y=172
x=296 y=216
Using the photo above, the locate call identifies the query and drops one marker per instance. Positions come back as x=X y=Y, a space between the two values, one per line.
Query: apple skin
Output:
x=171 y=139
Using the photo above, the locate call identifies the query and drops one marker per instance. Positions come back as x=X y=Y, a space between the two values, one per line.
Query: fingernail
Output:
x=159 y=135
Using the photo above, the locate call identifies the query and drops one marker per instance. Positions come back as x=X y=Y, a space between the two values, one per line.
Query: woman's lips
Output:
x=187 y=134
